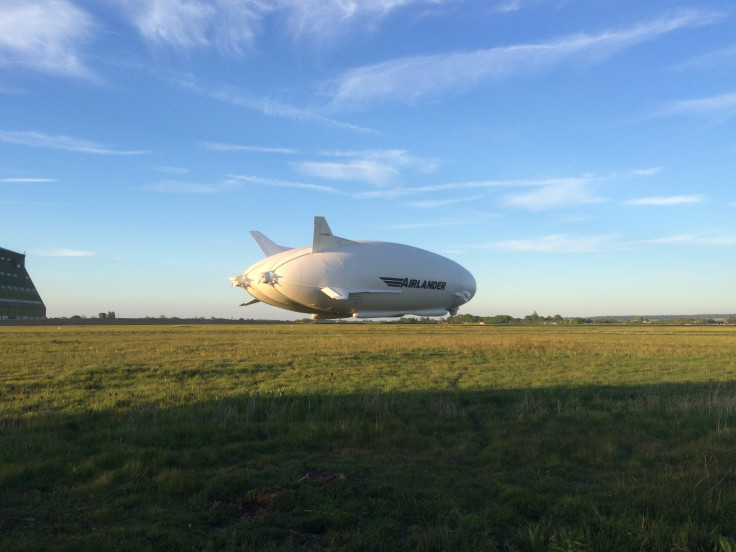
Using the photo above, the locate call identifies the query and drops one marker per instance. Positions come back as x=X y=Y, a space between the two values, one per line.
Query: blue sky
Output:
x=579 y=158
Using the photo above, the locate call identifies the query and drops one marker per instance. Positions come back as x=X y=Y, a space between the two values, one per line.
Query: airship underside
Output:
x=340 y=278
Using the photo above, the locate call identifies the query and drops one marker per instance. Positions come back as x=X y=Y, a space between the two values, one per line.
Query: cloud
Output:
x=411 y=78
x=63 y=253
x=40 y=140
x=576 y=184
x=219 y=146
x=722 y=105
x=558 y=243
x=270 y=108
x=232 y=26
x=183 y=187
x=667 y=200
x=651 y=171
x=430 y=224
x=679 y=238
x=27 y=180
x=375 y=167
x=370 y=172
x=434 y=203
x=324 y=18
x=724 y=240
x=188 y=24
x=543 y=194
x=719 y=58
x=552 y=195
x=262 y=181
x=44 y=36
x=689 y=239
x=166 y=169
x=393 y=157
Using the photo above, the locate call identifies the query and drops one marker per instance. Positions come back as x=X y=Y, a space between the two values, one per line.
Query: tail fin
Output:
x=324 y=239
x=267 y=246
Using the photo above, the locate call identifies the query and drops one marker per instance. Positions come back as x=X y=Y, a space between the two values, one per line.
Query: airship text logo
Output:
x=408 y=283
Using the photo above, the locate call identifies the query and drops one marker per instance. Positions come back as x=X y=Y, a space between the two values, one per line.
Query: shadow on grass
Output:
x=584 y=468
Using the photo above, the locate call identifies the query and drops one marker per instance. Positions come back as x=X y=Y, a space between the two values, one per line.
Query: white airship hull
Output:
x=338 y=278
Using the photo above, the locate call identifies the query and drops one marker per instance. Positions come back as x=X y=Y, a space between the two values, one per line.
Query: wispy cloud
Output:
x=439 y=223
x=722 y=105
x=394 y=157
x=375 y=167
x=547 y=192
x=63 y=253
x=220 y=146
x=408 y=191
x=723 y=57
x=689 y=239
x=508 y=6
x=538 y=195
x=262 y=181
x=677 y=238
x=651 y=171
x=232 y=26
x=325 y=18
x=723 y=240
x=561 y=243
x=184 y=187
x=27 y=180
x=44 y=36
x=411 y=78
x=434 y=203
x=166 y=169
x=560 y=191
x=370 y=172
x=553 y=195
x=558 y=243
x=668 y=200
x=271 y=108
x=188 y=24
x=40 y=140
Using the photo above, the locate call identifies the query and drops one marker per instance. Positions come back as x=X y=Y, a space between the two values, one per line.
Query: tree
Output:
x=533 y=318
x=499 y=319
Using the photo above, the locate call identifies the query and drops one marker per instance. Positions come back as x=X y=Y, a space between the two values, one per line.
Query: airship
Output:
x=341 y=278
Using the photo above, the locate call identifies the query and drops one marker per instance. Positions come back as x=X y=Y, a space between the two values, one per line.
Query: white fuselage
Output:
x=362 y=279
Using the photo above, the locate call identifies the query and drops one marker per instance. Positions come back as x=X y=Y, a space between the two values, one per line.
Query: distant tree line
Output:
x=499 y=319
x=535 y=318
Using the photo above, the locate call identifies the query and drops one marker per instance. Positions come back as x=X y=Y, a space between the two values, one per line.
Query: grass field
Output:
x=367 y=437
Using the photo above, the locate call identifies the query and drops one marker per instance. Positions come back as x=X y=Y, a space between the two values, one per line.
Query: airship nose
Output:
x=467 y=283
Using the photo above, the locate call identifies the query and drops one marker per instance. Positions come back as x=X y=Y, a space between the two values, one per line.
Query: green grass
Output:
x=367 y=437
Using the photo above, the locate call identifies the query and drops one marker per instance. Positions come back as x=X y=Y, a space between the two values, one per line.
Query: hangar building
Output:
x=18 y=295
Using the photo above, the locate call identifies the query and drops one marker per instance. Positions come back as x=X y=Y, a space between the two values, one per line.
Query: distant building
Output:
x=18 y=295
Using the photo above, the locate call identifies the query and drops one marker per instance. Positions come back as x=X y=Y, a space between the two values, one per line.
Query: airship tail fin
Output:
x=267 y=246
x=324 y=239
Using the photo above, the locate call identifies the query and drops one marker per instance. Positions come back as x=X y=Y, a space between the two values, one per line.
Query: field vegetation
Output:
x=368 y=437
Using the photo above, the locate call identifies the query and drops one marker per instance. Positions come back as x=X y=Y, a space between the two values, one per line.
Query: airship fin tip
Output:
x=268 y=246
x=324 y=239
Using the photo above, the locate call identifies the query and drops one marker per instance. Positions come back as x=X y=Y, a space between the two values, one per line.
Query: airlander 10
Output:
x=340 y=278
